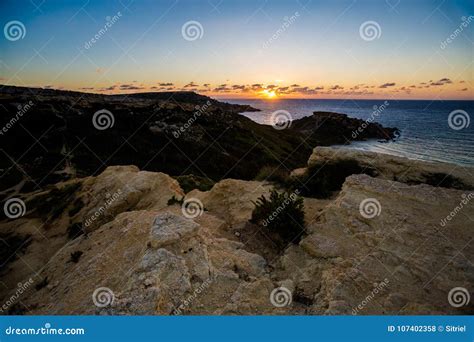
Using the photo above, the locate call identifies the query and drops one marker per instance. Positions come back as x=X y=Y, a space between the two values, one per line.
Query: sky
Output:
x=406 y=49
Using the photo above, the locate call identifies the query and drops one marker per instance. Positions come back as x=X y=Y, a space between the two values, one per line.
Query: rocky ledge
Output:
x=392 y=242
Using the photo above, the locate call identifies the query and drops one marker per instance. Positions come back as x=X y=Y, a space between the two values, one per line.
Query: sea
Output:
x=429 y=130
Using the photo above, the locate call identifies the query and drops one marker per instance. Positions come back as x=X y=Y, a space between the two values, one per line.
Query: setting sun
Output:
x=270 y=94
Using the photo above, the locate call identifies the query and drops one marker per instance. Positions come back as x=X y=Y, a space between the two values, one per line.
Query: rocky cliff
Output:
x=127 y=241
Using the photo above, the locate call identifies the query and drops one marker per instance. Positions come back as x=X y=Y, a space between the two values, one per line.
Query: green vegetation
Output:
x=323 y=179
x=273 y=174
x=174 y=200
x=191 y=182
x=282 y=214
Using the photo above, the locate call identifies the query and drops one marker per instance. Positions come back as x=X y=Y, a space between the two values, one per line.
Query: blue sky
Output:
x=322 y=48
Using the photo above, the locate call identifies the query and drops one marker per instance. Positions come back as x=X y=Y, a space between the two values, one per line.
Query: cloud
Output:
x=463 y=89
x=206 y=85
x=238 y=87
x=130 y=87
x=336 y=87
x=87 y=88
x=462 y=81
x=166 y=84
x=386 y=85
x=295 y=86
x=191 y=85
x=441 y=82
x=318 y=88
x=222 y=89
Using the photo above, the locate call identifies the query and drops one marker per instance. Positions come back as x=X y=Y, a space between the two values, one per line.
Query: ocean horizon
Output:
x=425 y=131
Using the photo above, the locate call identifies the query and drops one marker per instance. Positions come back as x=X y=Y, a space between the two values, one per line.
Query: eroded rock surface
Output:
x=397 y=254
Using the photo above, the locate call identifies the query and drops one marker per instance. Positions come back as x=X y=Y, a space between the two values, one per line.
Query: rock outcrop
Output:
x=379 y=246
